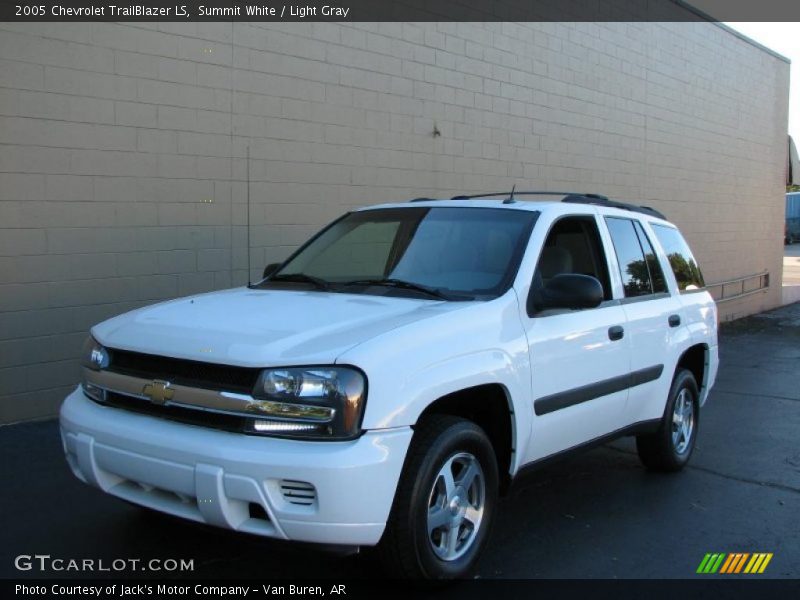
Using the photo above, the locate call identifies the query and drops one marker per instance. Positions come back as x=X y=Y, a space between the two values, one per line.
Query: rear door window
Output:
x=656 y=274
x=636 y=279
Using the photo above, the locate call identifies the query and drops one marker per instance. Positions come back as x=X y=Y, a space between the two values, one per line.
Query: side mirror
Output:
x=572 y=291
x=270 y=269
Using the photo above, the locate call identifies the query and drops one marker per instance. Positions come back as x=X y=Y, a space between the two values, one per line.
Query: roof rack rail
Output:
x=516 y=193
x=598 y=200
x=569 y=197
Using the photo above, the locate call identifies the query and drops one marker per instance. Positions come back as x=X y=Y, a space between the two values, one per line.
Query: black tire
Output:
x=406 y=550
x=659 y=451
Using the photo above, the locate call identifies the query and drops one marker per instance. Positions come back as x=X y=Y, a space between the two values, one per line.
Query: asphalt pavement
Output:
x=597 y=515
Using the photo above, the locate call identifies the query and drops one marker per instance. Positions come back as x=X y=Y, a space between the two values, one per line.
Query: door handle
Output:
x=616 y=333
x=674 y=320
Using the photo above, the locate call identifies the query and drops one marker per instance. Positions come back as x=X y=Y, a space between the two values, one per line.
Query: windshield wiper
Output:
x=401 y=284
x=318 y=283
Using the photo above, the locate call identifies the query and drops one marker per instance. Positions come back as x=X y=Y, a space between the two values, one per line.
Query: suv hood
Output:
x=258 y=328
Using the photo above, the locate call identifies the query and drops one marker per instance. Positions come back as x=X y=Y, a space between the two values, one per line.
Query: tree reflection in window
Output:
x=686 y=272
x=638 y=281
x=681 y=260
x=633 y=265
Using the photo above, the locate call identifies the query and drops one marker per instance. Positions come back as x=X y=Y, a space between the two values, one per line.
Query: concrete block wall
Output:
x=123 y=171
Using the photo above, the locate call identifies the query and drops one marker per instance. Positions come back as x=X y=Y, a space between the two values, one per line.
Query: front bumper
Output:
x=346 y=488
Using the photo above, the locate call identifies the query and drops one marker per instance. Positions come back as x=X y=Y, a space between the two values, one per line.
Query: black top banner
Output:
x=400 y=10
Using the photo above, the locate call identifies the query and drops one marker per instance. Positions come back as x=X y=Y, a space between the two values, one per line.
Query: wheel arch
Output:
x=490 y=407
x=696 y=359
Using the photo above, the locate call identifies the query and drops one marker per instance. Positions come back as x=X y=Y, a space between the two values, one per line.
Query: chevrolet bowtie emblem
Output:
x=158 y=391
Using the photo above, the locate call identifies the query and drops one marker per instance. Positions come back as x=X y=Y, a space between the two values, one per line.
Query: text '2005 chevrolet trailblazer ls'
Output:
x=384 y=385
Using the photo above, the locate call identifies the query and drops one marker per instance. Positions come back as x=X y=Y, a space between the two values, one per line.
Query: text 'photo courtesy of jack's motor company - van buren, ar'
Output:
x=219 y=591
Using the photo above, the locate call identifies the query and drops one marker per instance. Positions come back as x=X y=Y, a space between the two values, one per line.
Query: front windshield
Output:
x=458 y=252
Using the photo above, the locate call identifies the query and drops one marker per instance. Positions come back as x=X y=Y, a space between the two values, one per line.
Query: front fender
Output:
x=411 y=367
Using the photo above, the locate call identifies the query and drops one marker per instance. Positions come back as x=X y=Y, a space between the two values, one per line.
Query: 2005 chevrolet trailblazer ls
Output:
x=385 y=384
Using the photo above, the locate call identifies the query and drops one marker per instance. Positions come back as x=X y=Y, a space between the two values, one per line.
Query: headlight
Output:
x=321 y=402
x=94 y=357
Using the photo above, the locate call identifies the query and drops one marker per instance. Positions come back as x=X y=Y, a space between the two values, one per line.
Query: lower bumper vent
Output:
x=300 y=493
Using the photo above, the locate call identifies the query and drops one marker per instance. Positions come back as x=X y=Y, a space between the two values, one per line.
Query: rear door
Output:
x=655 y=319
x=580 y=359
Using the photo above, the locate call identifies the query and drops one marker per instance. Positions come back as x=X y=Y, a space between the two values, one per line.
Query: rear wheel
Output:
x=670 y=448
x=445 y=502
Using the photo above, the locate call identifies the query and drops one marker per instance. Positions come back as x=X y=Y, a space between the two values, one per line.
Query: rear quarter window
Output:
x=681 y=259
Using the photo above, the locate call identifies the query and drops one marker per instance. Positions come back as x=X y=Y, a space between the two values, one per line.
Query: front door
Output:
x=580 y=360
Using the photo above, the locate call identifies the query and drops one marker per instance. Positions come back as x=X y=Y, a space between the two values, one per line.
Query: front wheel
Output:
x=670 y=448
x=445 y=502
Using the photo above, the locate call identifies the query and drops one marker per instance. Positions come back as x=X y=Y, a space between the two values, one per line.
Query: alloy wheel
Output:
x=683 y=421
x=456 y=506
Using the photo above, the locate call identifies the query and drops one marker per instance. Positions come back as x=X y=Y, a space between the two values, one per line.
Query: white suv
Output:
x=385 y=384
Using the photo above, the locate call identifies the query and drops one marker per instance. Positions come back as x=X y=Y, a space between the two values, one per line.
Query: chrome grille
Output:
x=191 y=373
x=201 y=418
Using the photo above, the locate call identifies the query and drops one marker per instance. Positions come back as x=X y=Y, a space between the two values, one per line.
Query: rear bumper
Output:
x=711 y=373
x=345 y=489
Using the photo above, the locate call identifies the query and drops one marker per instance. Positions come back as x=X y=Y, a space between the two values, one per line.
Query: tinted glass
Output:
x=632 y=263
x=472 y=251
x=362 y=251
x=681 y=260
x=656 y=274
x=573 y=245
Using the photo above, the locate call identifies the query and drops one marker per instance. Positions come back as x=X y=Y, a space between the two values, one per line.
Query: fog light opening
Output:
x=257 y=511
